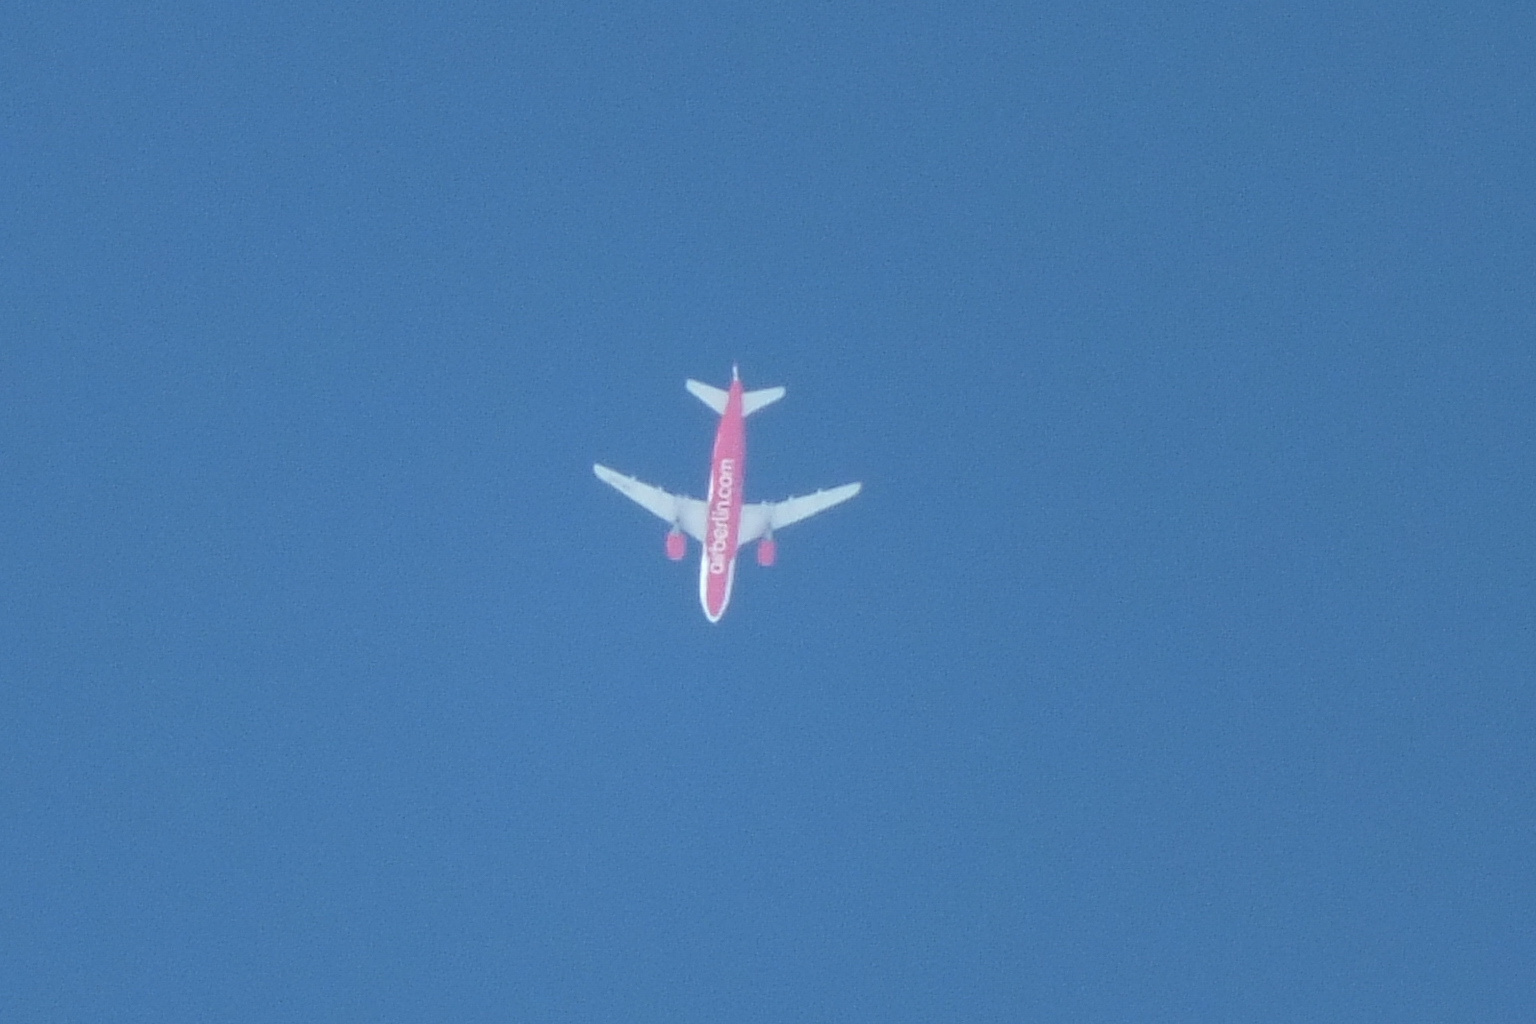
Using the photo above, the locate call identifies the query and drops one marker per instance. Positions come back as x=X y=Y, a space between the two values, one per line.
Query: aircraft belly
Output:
x=717 y=564
x=715 y=590
x=722 y=510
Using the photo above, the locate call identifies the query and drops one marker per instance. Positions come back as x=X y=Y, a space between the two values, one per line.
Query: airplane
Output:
x=724 y=521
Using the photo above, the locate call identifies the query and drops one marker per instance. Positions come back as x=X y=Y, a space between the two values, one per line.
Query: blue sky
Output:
x=1174 y=664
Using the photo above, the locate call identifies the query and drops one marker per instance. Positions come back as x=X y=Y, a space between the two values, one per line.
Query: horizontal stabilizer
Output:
x=762 y=518
x=685 y=513
x=755 y=400
x=716 y=399
x=712 y=397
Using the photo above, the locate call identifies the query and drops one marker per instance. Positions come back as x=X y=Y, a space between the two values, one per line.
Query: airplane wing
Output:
x=764 y=517
x=685 y=513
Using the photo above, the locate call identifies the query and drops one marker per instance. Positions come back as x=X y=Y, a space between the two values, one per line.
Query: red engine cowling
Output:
x=677 y=545
x=767 y=551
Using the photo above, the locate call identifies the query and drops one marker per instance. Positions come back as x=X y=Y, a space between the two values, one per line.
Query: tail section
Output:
x=751 y=401
x=755 y=400
x=712 y=397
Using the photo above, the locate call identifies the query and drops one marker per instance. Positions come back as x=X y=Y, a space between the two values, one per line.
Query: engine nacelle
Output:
x=677 y=545
x=767 y=551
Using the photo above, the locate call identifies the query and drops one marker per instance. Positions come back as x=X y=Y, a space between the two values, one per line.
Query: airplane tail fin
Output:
x=750 y=402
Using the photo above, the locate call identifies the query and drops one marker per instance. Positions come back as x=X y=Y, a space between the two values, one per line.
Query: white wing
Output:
x=764 y=517
x=684 y=513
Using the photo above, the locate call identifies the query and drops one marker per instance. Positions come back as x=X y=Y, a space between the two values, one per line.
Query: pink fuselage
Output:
x=727 y=482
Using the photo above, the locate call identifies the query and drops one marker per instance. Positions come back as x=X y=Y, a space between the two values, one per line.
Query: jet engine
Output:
x=767 y=551
x=677 y=545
